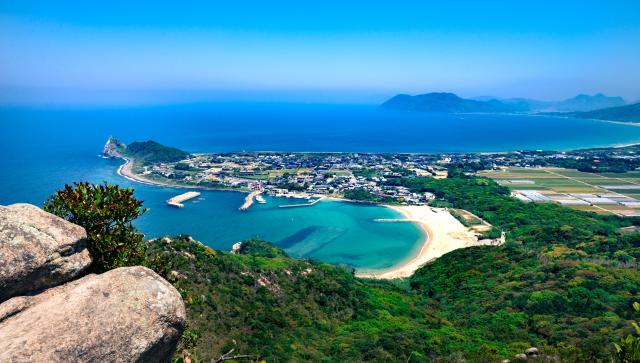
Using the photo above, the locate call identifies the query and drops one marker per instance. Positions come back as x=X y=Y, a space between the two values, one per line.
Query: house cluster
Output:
x=281 y=173
x=309 y=173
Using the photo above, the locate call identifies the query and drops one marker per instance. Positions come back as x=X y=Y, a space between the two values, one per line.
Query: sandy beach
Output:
x=443 y=234
x=125 y=171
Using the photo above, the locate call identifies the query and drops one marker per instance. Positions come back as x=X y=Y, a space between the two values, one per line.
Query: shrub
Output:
x=628 y=349
x=106 y=212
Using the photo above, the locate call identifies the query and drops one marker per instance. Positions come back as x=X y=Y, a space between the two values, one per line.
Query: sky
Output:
x=129 y=52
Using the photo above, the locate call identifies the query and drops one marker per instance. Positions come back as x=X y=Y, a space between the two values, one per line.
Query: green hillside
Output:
x=564 y=282
x=152 y=152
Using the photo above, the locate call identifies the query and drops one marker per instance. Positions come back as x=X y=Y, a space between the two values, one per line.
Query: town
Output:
x=369 y=177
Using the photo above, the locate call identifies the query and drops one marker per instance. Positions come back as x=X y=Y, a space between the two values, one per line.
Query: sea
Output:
x=42 y=148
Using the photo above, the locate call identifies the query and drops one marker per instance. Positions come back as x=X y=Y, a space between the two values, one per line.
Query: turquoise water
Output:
x=330 y=231
x=42 y=149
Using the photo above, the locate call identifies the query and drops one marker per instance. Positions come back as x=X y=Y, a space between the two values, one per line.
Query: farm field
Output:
x=573 y=187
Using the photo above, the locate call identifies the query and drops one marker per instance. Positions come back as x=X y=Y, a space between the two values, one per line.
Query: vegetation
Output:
x=366 y=172
x=106 y=212
x=360 y=194
x=564 y=282
x=628 y=349
x=599 y=164
x=281 y=309
x=148 y=152
x=564 y=277
x=184 y=167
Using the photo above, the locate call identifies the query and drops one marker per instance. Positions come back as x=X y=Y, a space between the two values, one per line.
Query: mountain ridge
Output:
x=628 y=113
x=452 y=103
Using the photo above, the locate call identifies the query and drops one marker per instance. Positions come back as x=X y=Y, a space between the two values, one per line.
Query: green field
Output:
x=556 y=182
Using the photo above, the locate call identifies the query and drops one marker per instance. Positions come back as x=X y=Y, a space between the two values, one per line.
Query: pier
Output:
x=179 y=199
x=302 y=204
x=248 y=200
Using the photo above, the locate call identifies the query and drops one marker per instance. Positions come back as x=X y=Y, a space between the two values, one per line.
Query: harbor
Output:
x=178 y=200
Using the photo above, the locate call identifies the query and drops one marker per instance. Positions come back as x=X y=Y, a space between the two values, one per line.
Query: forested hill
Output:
x=153 y=152
x=629 y=113
x=564 y=282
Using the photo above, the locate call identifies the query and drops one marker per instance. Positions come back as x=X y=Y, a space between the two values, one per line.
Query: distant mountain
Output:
x=580 y=103
x=449 y=102
x=583 y=103
x=629 y=113
x=443 y=102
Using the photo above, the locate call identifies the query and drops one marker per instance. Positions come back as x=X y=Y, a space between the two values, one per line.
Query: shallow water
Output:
x=42 y=149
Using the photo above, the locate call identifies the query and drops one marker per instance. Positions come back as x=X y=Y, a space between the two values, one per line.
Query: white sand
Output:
x=443 y=234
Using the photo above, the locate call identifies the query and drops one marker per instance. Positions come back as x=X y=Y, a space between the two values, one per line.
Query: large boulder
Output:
x=38 y=250
x=129 y=314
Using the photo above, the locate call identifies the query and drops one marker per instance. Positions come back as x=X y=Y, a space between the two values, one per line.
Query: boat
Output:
x=260 y=199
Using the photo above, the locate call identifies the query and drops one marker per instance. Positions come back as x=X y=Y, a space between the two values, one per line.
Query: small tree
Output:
x=106 y=212
x=628 y=349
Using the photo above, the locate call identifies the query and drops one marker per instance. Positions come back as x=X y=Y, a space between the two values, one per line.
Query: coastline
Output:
x=125 y=171
x=443 y=234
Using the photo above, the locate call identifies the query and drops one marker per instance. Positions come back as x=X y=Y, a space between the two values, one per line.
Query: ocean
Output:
x=44 y=148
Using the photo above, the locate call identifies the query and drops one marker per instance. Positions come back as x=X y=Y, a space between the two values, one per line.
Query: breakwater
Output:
x=178 y=200
x=301 y=204
x=248 y=200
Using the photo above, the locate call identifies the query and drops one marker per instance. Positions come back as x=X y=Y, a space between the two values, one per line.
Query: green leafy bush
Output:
x=106 y=212
x=628 y=349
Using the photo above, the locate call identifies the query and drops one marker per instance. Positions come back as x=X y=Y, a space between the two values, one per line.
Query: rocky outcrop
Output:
x=113 y=148
x=532 y=353
x=129 y=314
x=38 y=250
x=124 y=315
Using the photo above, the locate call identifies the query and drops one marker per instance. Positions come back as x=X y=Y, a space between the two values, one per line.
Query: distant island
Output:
x=444 y=102
x=451 y=103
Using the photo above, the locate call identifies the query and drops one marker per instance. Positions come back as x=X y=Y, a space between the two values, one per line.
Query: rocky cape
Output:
x=48 y=313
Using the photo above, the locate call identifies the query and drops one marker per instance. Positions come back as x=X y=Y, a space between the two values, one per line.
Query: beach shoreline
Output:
x=125 y=171
x=443 y=234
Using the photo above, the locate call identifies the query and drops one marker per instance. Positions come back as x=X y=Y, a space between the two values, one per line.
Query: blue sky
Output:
x=328 y=51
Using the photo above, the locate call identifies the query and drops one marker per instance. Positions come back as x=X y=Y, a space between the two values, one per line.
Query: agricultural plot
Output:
x=608 y=193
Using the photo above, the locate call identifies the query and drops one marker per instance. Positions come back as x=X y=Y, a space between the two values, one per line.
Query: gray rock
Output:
x=128 y=314
x=521 y=356
x=38 y=250
x=533 y=351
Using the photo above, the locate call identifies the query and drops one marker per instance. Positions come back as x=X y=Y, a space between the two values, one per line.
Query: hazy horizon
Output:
x=72 y=52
